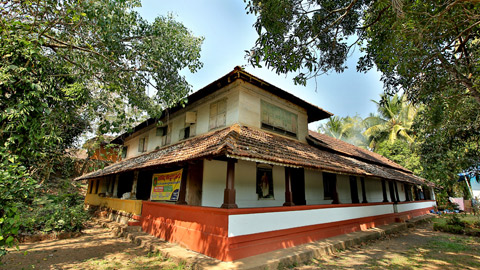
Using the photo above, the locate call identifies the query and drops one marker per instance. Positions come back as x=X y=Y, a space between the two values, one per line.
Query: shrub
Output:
x=456 y=221
x=472 y=232
x=54 y=213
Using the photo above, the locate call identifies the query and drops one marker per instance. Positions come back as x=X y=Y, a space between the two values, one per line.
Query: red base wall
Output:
x=205 y=229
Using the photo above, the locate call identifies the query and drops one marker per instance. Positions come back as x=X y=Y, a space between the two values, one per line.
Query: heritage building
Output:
x=236 y=172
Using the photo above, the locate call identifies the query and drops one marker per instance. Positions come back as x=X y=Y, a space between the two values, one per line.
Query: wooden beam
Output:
x=229 y=193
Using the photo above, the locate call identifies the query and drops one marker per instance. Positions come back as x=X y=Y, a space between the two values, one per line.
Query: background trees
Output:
x=66 y=64
x=430 y=50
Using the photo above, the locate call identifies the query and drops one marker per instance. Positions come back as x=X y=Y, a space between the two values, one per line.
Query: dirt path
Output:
x=415 y=248
x=96 y=249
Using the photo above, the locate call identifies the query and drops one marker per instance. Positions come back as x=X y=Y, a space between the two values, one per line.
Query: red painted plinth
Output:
x=205 y=229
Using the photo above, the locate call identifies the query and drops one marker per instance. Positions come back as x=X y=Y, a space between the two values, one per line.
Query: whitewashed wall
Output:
x=214 y=181
x=373 y=189
x=245 y=185
x=245 y=224
x=177 y=120
x=250 y=108
x=314 y=188
x=343 y=189
x=401 y=191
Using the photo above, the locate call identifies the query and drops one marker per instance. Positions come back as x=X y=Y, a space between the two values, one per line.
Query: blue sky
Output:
x=228 y=32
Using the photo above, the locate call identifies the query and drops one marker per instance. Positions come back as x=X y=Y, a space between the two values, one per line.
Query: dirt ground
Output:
x=416 y=248
x=96 y=249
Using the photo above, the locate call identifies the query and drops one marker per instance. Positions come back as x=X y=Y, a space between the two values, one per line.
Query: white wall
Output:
x=177 y=120
x=250 y=109
x=401 y=191
x=245 y=224
x=373 y=188
x=245 y=185
x=314 y=188
x=214 y=181
x=343 y=189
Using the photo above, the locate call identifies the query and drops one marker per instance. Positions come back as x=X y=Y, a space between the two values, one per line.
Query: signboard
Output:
x=166 y=186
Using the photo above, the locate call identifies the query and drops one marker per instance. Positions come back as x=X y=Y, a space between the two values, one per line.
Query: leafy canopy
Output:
x=430 y=50
x=66 y=64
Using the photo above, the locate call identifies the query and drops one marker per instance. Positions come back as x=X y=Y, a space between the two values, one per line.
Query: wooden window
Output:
x=165 y=134
x=218 y=114
x=124 y=152
x=279 y=120
x=264 y=182
x=142 y=144
x=329 y=185
x=187 y=132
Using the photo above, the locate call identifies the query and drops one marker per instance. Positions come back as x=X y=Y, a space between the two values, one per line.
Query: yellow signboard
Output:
x=166 y=186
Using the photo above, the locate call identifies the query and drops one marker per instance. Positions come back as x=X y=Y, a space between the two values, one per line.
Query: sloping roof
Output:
x=332 y=144
x=314 y=112
x=246 y=143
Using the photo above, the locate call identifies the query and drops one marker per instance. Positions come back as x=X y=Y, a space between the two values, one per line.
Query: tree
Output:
x=394 y=119
x=348 y=129
x=67 y=63
x=428 y=49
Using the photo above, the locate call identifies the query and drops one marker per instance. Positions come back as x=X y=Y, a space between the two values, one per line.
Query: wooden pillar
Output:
x=384 y=190
x=183 y=186
x=391 y=190
x=115 y=187
x=354 y=189
x=288 y=187
x=397 y=197
x=229 y=193
x=133 y=195
x=364 y=192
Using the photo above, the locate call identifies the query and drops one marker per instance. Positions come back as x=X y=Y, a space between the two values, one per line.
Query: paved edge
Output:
x=266 y=261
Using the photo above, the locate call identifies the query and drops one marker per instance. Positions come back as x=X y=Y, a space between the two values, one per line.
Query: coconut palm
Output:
x=393 y=121
x=348 y=129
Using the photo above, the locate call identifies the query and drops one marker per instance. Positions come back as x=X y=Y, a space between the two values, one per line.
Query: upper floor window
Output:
x=165 y=134
x=279 y=120
x=218 y=114
x=124 y=151
x=187 y=132
x=142 y=144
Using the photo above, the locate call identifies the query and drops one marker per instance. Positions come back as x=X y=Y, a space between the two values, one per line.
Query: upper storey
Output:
x=236 y=98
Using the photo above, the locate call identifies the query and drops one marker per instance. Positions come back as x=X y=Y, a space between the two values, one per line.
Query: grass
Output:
x=152 y=260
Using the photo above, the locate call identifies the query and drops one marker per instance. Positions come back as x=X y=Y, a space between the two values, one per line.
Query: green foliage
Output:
x=71 y=66
x=388 y=133
x=430 y=50
x=16 y=187
x=402 y=153
x=457 y=224
x=54 y=213
x=394 y=120
x=348 y=129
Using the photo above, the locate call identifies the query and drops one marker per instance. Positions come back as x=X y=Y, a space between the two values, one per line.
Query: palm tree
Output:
x=348 y=129
x=393 y=121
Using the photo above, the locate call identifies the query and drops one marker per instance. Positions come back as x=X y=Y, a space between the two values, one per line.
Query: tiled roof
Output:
x=248 y=143
x=332 y=144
